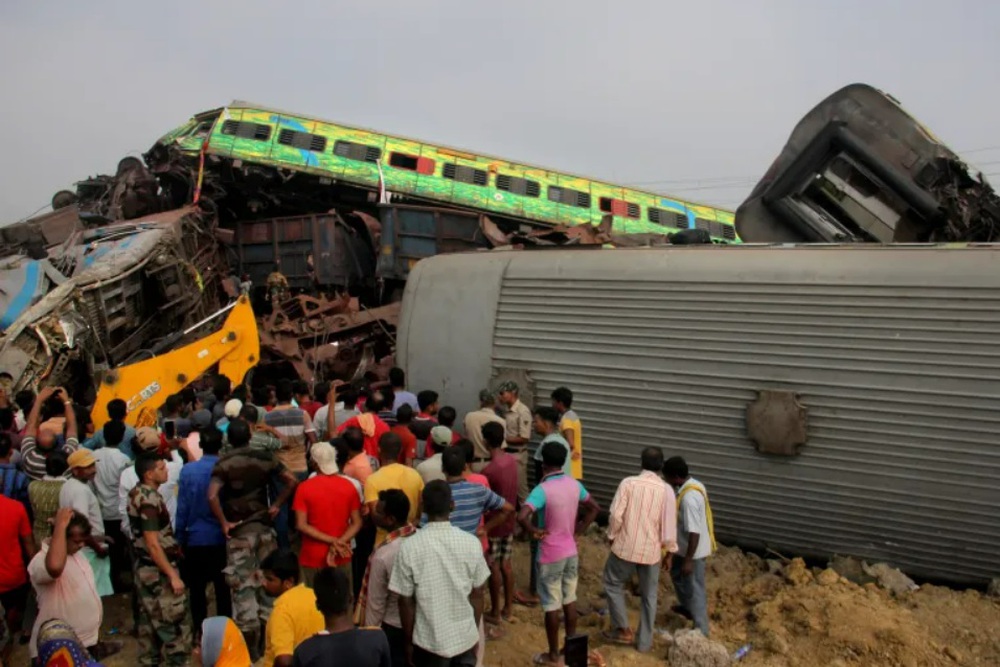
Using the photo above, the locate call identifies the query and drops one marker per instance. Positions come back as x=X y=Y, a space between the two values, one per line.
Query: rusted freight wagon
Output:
x=835 y=399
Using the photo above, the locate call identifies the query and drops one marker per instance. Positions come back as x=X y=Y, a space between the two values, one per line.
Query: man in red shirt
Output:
x=304 y=398
x=502 y=475
x=369 y=423
x=408 y=452
x=15 y=541
x=328 y=514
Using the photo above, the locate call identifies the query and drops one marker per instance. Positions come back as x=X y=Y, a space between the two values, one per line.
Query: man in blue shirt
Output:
x=471 y=500
x=199 y=533
x=117 y=412
x=13 y=482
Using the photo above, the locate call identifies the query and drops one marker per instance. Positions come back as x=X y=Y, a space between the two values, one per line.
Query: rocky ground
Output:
x=791 y=615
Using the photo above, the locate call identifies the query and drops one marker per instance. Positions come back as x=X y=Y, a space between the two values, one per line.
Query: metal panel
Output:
x=891 y=350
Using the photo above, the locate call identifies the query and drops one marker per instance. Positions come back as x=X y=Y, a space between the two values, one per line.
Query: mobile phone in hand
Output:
x=170 y=428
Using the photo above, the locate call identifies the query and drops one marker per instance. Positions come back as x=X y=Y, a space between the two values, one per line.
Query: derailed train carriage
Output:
x=837 y=398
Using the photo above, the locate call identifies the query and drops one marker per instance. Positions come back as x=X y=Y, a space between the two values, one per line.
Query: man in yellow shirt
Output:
x=393 y=475
x=295 y=617
x=570 y=428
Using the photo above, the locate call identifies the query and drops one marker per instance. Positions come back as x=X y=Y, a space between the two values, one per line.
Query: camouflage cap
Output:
x=509 y=385
x=486 y=396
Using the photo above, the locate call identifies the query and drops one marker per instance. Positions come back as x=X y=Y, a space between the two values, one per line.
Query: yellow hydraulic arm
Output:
x=145 y=385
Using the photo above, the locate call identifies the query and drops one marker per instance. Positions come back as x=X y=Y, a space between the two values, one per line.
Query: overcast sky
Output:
x=693 y=99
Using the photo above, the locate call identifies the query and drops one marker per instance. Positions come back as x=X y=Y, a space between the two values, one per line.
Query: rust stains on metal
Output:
x=329 y=337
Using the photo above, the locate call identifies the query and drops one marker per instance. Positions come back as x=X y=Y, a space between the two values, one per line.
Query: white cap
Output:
x=233 y=407
x=325 y=458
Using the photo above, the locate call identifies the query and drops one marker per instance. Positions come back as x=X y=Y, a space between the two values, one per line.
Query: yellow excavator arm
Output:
x=145 y=385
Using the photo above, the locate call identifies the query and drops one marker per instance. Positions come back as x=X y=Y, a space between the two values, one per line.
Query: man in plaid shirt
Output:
x=440 y=576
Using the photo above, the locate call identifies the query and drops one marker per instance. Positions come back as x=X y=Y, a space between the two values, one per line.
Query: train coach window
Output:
x=567 y=196
x=618 y=207
x=667 y=218
x=360 y=152
x=421 y=165
x=464 y=174
x=722 y=230
x=518 y=186
x=242 y=129
x=302 y=140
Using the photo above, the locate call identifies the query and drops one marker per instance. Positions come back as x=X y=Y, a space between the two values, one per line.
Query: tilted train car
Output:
x=834 y=399
x=289 y=163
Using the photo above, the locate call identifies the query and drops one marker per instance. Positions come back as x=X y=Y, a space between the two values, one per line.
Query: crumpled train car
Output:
x=104 y=296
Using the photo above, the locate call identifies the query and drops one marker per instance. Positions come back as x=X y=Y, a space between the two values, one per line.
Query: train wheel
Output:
x=62 y=199
x=127 y=164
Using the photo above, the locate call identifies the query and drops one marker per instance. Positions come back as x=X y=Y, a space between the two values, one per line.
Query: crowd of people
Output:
x=345 y=525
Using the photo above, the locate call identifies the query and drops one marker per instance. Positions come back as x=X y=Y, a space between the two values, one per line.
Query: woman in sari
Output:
x=222 y=644
x=58 y=646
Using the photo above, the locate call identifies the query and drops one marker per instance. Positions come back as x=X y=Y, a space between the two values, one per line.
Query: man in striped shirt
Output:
x=642 y=528
x=41 y=441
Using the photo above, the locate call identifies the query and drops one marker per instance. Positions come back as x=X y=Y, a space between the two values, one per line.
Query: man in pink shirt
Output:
x=558 y=498
x=642 y=529
x=64 y=581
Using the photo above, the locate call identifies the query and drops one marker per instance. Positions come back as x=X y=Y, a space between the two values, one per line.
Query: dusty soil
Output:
x=792 y=616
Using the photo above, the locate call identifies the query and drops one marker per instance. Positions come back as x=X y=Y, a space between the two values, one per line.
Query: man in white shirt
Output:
x=148 y=443
x=440 y=575
x=111 y=463
x=77 y=495
x=431 y=469
x=695 y=542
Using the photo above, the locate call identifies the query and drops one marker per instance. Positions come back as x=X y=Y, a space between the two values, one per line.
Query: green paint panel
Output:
x=434 y=187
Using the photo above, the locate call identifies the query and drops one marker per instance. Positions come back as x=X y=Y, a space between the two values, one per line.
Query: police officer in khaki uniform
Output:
x=518 y=421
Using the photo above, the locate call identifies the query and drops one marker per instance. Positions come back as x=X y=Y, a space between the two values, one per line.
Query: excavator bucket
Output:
x=145 y=385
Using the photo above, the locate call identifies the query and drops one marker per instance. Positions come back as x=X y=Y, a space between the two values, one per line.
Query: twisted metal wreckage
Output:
x=93 y=285
x=136 y=263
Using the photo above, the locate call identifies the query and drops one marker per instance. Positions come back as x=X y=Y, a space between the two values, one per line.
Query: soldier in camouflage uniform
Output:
x=164 y=620
x=238 y=496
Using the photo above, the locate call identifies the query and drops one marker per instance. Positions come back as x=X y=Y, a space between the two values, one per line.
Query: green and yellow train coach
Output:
x=342 y=155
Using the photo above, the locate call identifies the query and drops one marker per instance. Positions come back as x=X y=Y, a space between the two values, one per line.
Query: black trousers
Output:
x=397 y=644
x=117 y=551
x=364 y=544
x=201 y=566
x=422 y=658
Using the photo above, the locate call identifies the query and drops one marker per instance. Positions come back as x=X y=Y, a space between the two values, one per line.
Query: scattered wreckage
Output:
x=239 y=193
x=84 y=300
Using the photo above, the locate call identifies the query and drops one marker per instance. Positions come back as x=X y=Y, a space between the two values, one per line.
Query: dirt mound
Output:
x=791 y=615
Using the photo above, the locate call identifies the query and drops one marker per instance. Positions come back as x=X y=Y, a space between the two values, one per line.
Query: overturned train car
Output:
x=835 y=399
x=859 y=168
x=84 y=300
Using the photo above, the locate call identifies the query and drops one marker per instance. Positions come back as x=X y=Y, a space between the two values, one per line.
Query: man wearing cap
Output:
x=77 y=495
x=518 y=422
x=431 y=469
x=474 y=422
x=328 y=514
x=231 y=411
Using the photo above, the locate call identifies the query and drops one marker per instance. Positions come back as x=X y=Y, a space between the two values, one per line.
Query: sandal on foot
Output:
x=623 y=636
x=525 y=600
x=543 y=659
x=595 y=659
